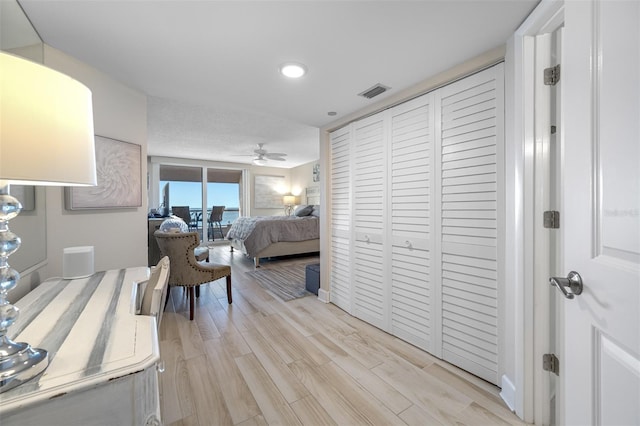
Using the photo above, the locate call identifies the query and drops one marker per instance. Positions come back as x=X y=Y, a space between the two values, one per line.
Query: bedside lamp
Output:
x=46 y=138
x=289 y=201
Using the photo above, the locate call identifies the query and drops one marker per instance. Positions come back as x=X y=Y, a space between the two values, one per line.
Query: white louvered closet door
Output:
x=471 y=115
x=369 y=301
x=411 y=153
x=341 y=218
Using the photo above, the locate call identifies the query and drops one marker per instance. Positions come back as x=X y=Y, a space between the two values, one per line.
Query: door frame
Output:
x=524 y=392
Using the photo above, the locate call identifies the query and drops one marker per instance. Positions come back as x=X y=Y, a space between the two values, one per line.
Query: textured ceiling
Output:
x=210 y=68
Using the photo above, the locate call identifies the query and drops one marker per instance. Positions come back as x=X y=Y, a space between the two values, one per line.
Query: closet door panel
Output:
x=369 y=181
x=410 y=163
x=340 y=155
x=470 y=141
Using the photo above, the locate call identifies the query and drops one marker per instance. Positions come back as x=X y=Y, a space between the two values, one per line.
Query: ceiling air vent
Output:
x=374 y=91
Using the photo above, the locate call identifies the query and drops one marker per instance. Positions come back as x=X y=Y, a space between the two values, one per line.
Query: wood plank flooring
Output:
x=263 y=361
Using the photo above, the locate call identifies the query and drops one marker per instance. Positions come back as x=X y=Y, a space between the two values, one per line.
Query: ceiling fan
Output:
x=261 y=156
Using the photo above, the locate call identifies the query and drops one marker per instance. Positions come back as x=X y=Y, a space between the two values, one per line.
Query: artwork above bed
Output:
x=267 y=191
x=313 y=195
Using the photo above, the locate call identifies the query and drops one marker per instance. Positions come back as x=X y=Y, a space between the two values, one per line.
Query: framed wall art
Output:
x=268 y=192
x=119 y=173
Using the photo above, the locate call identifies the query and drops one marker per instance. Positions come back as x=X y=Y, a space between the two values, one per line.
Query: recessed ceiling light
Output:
x=293 y=70
x=332 y=113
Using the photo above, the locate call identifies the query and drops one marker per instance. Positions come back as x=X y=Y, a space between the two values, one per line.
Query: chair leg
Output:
x=229 y=289
x=197 y=291
x=191 y=303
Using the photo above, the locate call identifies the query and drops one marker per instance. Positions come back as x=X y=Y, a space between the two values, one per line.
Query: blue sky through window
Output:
x=190 y=194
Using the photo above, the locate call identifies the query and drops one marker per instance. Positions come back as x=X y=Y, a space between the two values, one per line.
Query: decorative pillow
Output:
x=174 y=224
x=303 y=210
x=316 y=211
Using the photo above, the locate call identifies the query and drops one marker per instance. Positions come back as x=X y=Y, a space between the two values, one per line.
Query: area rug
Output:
x=286 y=282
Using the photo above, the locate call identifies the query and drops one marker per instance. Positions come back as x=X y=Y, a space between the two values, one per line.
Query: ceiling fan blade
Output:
x=274 y=154
x=276 y=158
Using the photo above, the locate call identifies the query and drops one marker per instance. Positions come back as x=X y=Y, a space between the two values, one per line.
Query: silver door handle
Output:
x=570 y=286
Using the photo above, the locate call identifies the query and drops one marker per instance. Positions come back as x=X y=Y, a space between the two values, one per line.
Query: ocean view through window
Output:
x=219 y=194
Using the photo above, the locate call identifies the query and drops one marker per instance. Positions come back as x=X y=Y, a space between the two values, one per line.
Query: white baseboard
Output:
x=508 y=393
x=323 y=295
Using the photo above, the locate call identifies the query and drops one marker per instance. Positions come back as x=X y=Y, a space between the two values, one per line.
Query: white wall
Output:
x=302 y=178
x=119 y=236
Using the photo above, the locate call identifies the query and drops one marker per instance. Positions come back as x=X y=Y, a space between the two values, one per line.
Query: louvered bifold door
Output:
x=411 y=146
x=340 y=157
x=370 y=300
x=471 y=119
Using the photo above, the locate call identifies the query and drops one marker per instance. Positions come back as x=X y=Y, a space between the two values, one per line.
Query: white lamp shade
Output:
x=289 y=200
x=46 y=126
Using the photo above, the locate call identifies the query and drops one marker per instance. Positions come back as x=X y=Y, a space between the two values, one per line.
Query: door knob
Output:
x=570 y=286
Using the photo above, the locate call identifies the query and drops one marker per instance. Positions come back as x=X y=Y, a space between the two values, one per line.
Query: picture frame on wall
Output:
x=316 y=172
x=268 y=191
x=119 y=175
x=26 y=194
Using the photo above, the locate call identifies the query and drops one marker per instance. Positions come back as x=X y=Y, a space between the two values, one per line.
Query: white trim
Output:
x=323 y=296
x=542 y=203
x=508 y=392
x=520 y=200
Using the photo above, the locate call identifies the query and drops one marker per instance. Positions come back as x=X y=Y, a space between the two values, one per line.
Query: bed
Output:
x=270 y=236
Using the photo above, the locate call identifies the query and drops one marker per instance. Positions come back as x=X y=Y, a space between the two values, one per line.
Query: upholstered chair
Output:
x=186 y=271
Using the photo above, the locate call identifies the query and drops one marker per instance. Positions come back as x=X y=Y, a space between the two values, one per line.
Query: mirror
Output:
x=18 y=37
x=16 y=33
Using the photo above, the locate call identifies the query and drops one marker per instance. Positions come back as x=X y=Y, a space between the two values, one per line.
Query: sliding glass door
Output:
x=223 y=201
x=191 y=192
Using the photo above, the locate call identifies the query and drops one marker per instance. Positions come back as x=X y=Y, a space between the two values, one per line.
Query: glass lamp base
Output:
x=20 y=362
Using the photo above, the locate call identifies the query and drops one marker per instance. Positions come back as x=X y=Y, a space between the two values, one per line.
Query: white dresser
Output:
x=102 y=357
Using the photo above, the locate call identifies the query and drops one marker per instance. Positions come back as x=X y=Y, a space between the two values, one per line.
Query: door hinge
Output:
x=551 y=219
x=551 y=363
x=552 y=75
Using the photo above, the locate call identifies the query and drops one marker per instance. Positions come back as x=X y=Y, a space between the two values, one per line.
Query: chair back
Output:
x=155 y=292
x=179 y=247
x=182 y=212
x=216 y=214
x=185 y=269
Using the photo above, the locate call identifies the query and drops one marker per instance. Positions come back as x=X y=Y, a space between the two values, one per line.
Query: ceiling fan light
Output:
x=293 y=70
x=259 y=161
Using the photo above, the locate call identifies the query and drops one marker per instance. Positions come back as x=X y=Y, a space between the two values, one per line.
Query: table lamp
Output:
x=46 y=138
x=289 y=200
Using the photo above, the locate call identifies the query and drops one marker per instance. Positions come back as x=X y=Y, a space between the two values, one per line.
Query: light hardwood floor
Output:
x=262 y=361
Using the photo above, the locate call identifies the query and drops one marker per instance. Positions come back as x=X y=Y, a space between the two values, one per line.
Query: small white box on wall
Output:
x=77 y=262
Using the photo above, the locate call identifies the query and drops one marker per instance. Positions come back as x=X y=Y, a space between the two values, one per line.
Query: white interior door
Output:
x=369 y=201
x=340 y=172
x=469 y=168
x=410 y=220
x=600 y=372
